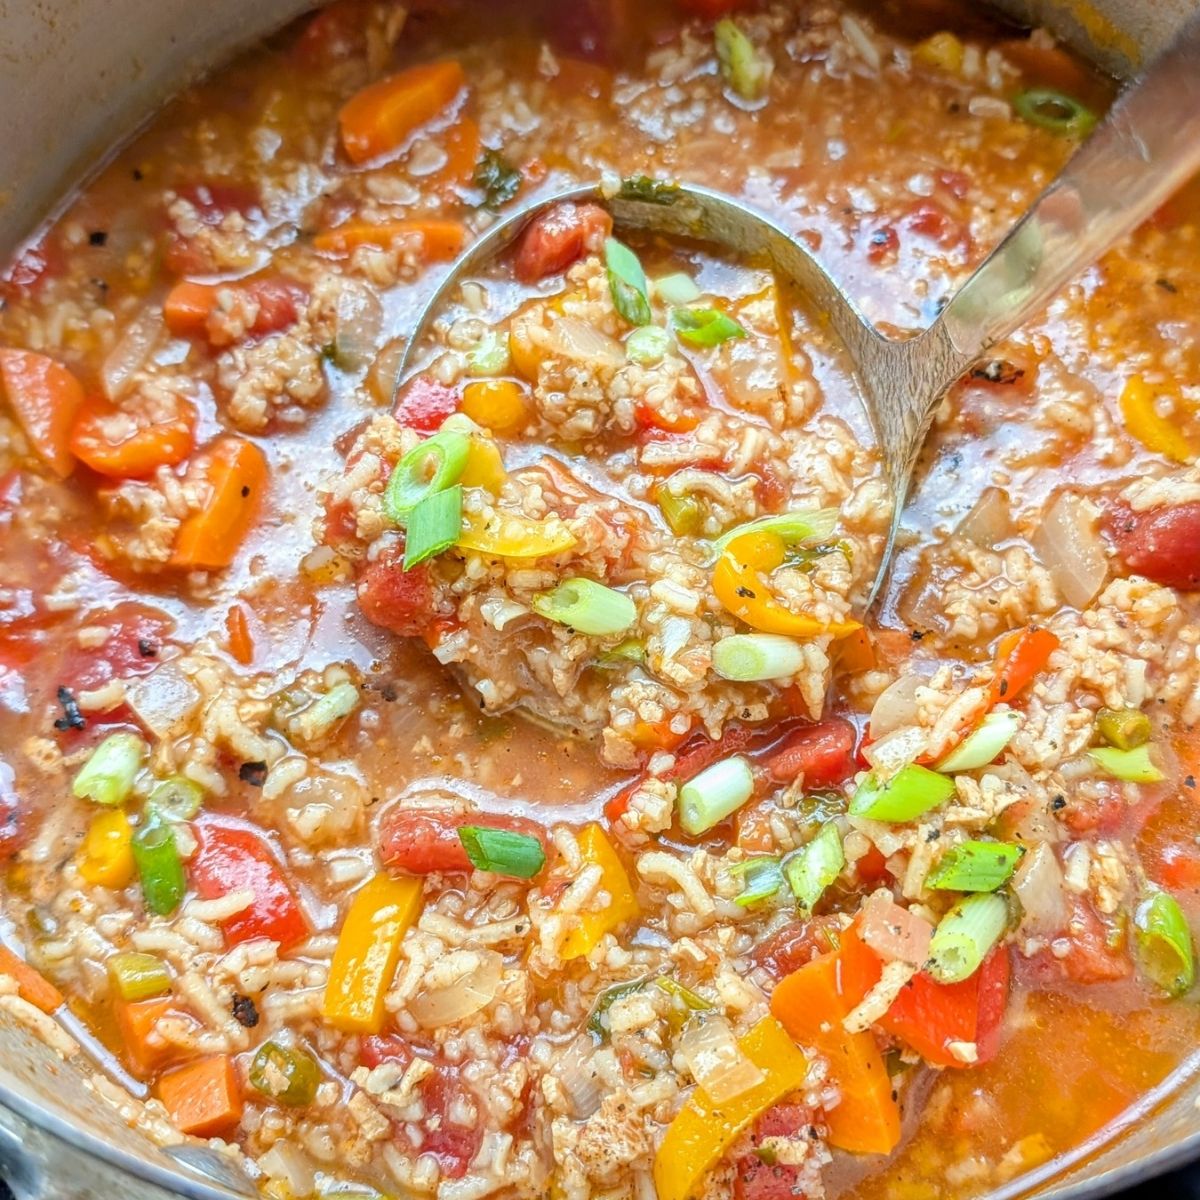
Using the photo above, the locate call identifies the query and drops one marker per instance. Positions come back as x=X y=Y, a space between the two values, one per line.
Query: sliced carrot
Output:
x=31 y=985
x=44 y=397
x=241 y=644
x=440 y=240
x=380 y=118
x=187 y=306
x=462 y=154
x=203 y=1098
x=237 y=480
x=807 y=1003
x=135 y=1023
x=1020 y=656
x=141 y=451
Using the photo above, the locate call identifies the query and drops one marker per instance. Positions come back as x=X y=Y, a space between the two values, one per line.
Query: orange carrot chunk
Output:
x=440 y=240
x=123 y=448
x=237 y=481
x=31 y=985
x=380 y=118
x=144 y=1051
x=44 y=397
x=203 y=1098
x=187 y=306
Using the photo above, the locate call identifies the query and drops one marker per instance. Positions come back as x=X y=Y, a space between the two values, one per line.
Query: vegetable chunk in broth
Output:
x=485 y=782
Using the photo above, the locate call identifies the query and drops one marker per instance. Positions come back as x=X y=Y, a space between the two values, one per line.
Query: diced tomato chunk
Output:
x=822 y=753
x=425 y=404
x=883 y=244
x=930 y=220
x=559 y=236
x=395 y=599
x=757 y=1179
x=423 y=840
x=213 y=203
x=40 y=260
x=136 y=638
x=378 y=1048
x=872 y=867
x=1091 y=957
x=795 y=945
x=1162 y=544
x=1178 y=868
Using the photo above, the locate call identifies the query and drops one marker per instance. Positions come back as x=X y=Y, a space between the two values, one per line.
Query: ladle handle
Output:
x=1147 y=146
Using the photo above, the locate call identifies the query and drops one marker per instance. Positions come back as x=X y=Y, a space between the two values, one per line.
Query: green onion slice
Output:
x=910 y=793
x=434 y=465
x=1050 y=109
x=803 y=526
x=745 y=68
x=108 y=775
x=761 y=879
x=984 y=744
x=598 y=1019
x=1164 y=944
x=676 y=289
x=287 y=1074
x=433 y=526
x=502 y=851
x=587 y=607
x=175 y=799
x=748 y=657
x=1132 y=766
x=1124 y=728
x=489 y=356
x=974 y=867
x=138 y=976
x=647 y=345
x=815 y=866
x=627 y=282
x=965 y=936
x=683 y=512
x=631 y=650
x=161 y=869
x=708 y=798
x=705 y=327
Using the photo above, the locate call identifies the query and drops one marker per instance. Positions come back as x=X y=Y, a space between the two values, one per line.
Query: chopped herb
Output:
x=244 y=1011
x=497 y=178
x=72 y=718
x=253 y=773
x=648 y=191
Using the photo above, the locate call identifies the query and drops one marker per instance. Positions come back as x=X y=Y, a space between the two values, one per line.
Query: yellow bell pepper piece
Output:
x=509 y=535
x=496 y=404
x=1151 y=428
x=485 y=467
x=739 y=580
x=367 y=950
x=703 y=1129
x=106 y=857
x=942 y=51
x=597 y=850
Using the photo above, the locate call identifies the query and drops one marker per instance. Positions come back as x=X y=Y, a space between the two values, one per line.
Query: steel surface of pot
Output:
x=79 y=76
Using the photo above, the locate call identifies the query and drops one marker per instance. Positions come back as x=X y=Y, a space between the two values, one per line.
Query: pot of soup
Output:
x=486 y=779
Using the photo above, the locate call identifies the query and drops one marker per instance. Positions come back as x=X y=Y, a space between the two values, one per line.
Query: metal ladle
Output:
x=1146 y=147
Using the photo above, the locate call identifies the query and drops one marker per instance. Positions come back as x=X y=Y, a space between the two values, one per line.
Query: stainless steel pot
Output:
x=77 y=76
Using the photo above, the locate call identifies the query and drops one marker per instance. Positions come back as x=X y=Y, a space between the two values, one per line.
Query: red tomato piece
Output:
x=213 y=202
x=755 y=1179
x=334 y=33
x=1092 y=958
x=822 y=753
x=278 y=301
x=795 y=945
x=39 y=261
x=931 y=221
x=995 y=979
x=376 y=1048
x=1162 y=544
x=423 y=840
x=772 y=490
x=556 y=238
x=1178 y=868
x=426 y=404
x=883 y=244
x=136 y=638
x=396 y=599
x=702 y=752
x=872 y=867
x=232 y=858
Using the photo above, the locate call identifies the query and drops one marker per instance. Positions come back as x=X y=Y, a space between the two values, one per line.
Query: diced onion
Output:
x=895 y=749
x=1070 y=549
x=131 y=352
x=676 y=289
x=577 y=1073
x=162 y=699
x=895 y=706
x=468 y=994
x=717 y=1063
x=989 y=521
x=1038 y=884
x=714 y=794
x=748 y=657
x=896 y=934
x=576 y=339
x=358 y=319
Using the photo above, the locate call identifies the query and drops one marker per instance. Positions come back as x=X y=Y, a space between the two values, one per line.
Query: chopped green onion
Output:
x=324 y=714
x=748 y=657
x=649 y=191
x=974 y=867
x=1124 y=728
x=815 y=866
x=910 y=793
x=587 y=607
x=433 y=526
x=676 y=289
x=984 y=744
x=175 y=799
x=502 y=851
x=627 y=282
x=285 y=1073
x=685 y=1001
x=631 y=650
x=1133 y=766
x=1164 y=944
x=761 y=879
x=160 y=867
x=965 y=936
x=496 y=178
x=705 y=327
x=434 y=465
x=683 y=512
x=648 y=345
x=1055 y=111
x=597 y=1022
x=745 y=68
x=796 y=528
x=489 y=356
x=717 y=791
x=138 y=976
x=107 y=776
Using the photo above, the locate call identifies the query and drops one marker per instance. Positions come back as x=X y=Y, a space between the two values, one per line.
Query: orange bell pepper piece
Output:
x=1020 y=656
x=597 y=850
x=203 y=1098
x=379 y=119
x=44 y=397
x=237 y=479
x=441 y=240
x=32 y=986
x=140 y=452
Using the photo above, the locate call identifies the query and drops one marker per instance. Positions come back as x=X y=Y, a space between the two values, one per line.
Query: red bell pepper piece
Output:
x=823 y=753
x=1019 y=657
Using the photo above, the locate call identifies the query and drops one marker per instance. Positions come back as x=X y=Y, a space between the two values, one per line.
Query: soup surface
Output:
x=482 y=782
